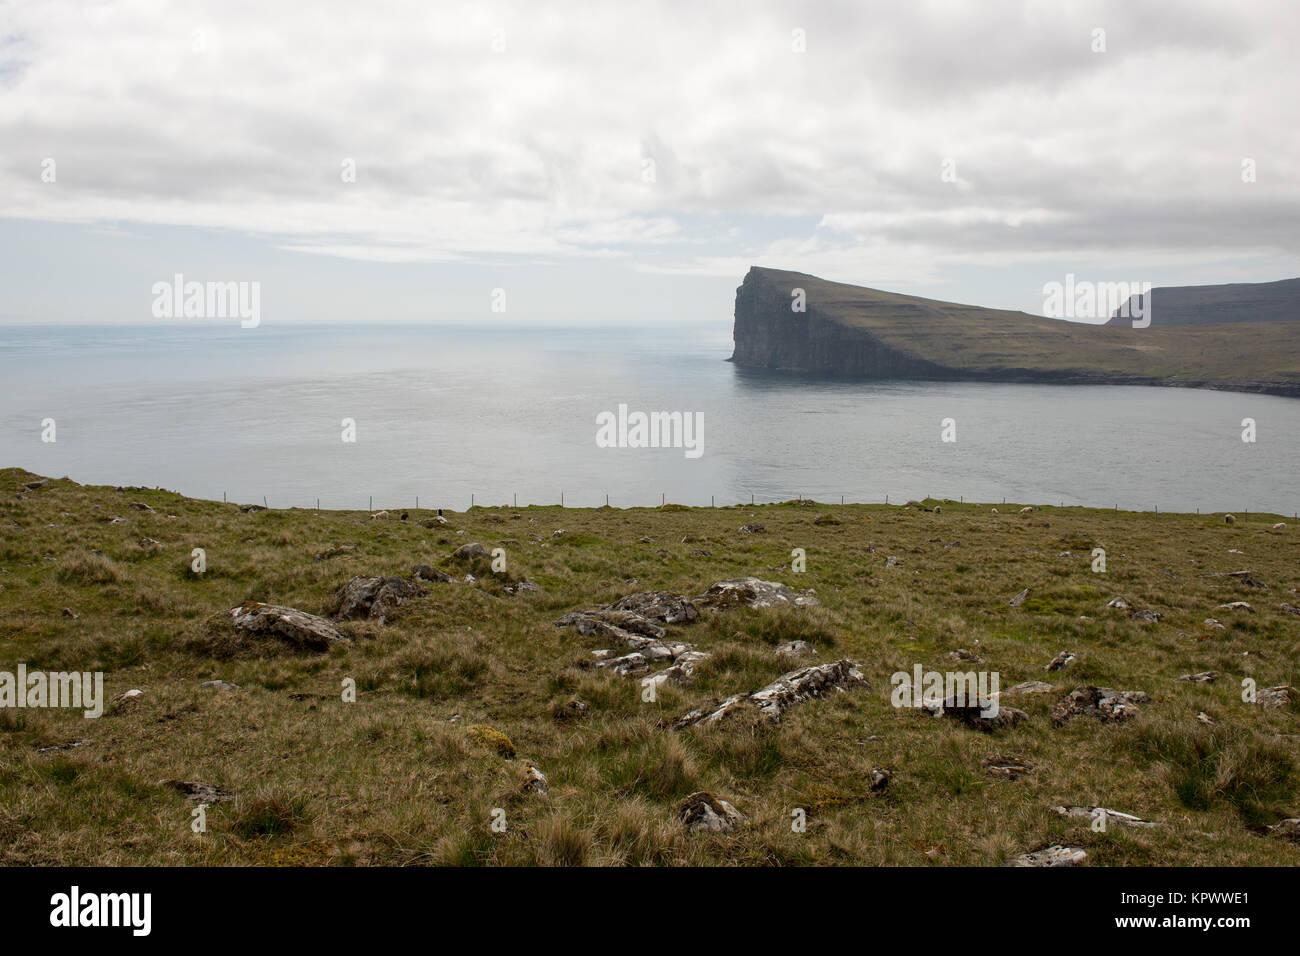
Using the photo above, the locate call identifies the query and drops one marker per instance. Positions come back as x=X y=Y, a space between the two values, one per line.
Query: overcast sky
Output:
x=610 y=162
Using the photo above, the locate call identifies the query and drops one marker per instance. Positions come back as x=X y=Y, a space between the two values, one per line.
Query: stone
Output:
x=1008 y=766
x=1237 y=606
x=1105 y=704
x=1204 y=677
x=250 y=509
x=198 y=792
x=755 y=528
x=751 y=592
x=826 y=519
x=141 y=506
x=572 y=709
x=372 y=598
x=1112 y=816
x=1286 y=829
x=1147 y=615
x=702 y=812
x=1055 y=855
x=218 y=685
x=472 y=552
x=627 y=665
x=1027 y=687
x=659 y=606
x=795 y=687
x=1214 y=623
x=1205 y=718
x=334 y=550
x=1060 y=661
x=534 y=780
x=880 y=777
x=434 y=522
x=1289 y=608
x=892 y=562
x=1245 y=578
x=795 y=649
x=431 y=575
x=1020 y=598
x=1275 y=698
x=296 y=627
x=961 y=654
x=1118 y=602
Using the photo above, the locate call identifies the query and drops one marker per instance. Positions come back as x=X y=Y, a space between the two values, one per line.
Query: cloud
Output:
x=521 y=130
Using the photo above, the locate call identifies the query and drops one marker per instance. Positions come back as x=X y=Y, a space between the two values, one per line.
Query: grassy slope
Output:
x=977 y=339
x=390 y=780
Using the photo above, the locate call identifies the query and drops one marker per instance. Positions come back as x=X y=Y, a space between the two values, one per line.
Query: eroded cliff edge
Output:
x=867 y=333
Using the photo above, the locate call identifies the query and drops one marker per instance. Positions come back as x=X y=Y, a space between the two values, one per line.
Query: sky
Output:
x=597 y=163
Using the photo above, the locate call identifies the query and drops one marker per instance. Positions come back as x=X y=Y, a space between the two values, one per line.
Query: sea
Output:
x=451 y=416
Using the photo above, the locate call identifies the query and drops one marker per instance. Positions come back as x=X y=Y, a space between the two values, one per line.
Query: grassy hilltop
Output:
x=465 y=688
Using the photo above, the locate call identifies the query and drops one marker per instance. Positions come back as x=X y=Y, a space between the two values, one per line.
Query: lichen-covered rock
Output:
x=1060 y=661
x=471 y=552
x=658 y=606
x=1287 y=829
x=299 y=628
x=534 y=780
x=1011 y=767
x=752 y=592
x=431 y=575
x=1204 y=677
x=334 y=550
x=1275 y=698
x=1112 y=816
x=703 y=812
x=1105 y=704
x=795 y=649
x=1056 y=855
x=796 y=687
x=1028 y=687
x=372 y=598
x=1020 y=598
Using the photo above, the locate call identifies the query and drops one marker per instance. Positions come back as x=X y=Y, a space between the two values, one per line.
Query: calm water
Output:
x=444 y=413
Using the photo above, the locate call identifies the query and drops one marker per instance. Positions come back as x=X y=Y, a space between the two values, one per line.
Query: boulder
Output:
x=703 y=812
x=296 y=627
x=471 y=552
x=1105 y=704
x=1275 y=698
x=659 y=606
x=431 y=575
x=795 y=687
x=1056 y=855
x=1060 y=661
x=795 y=649
x=751 y=592
x=826 y=519
x=373 y=598
x=755 y=528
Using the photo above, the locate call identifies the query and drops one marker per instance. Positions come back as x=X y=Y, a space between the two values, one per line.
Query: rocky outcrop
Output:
x=790 y=321
x=307 y=631
x=372 y=598
x=770 y=702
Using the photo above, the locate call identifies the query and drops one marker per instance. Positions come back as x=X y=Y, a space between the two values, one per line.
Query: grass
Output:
x=464 y=685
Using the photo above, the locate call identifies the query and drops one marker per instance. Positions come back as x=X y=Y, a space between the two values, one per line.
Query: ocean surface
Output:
x=510 y=414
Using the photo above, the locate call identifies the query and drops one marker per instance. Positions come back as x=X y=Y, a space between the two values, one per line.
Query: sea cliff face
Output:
x=866 y=333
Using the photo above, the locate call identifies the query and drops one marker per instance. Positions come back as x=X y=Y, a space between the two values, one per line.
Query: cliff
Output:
x=867 y=333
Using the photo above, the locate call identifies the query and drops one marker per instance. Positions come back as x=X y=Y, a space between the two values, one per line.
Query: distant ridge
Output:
x=1213 y=304
x=867 y=333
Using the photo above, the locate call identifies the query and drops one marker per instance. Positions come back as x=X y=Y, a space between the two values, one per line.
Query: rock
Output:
x=1020 y=598
x=754 y=528
x=627 y=665
x=1009 y=766
x=493 y=739
x=431 y=575
x=559 y=534
x=297 y=627
x=1246 y=578
x=690 y=538
x=1145 y=614
x=471 y=552
x=1289 y=608
x=703 y=812
x=1205 y=718
x=880 y=778
x=971 y=713
x=519 y=587
x=1275 y=698
x=373 y=598
x=1214 y=623
x=1112 y=816
x=336 y=549
x=796 y=649
x=751 y=592
x=198 y=792
x=534 y=780
x=1056 y=855
x=1237 y=606
x=627 y=627
x=1105 y=704
x=69 y=612
x=1118 y=602
x=796 y=687
x=39 y=483
x=131 y=694
x=433 y=522
x=249 y=509
x=826 y=519
x=961 y=654
x=646 y=540
x=1060 y=661
x=572 y=709
x=892 y=562
x=1028 y=687
x=1204 y=677
x=141 y=506
x=218 y=685
x=659 y=606
x=1286 y=829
